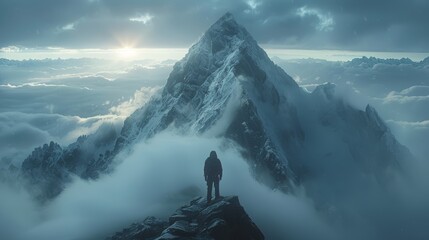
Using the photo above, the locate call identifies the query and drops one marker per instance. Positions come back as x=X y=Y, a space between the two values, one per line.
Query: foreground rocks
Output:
x=223 y=219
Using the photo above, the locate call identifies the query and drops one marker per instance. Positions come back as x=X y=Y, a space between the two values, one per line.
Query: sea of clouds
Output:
x=397 y=88
x=153 y=181
x=165 y=172
x=59 y=100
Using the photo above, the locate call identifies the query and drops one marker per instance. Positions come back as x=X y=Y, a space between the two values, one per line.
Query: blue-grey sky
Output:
x=365 y=25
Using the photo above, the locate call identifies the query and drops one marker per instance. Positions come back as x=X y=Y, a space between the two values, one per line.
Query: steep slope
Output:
x=345 y=148
x=50 y=167
x=226 y=86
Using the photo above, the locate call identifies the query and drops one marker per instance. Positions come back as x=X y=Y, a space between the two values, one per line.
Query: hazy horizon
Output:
x=162 y=54
x=101 y=126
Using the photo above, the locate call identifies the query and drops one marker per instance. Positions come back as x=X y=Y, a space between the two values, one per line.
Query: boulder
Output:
x=223 y=218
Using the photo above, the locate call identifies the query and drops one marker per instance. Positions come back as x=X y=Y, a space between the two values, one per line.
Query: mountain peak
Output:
x=226 y=20
x=219 y=48
x=226 y=27
x=226 y=17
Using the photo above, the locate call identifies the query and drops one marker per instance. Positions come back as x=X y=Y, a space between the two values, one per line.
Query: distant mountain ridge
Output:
x=371 y=61
x=227 y=86
x=51 y=166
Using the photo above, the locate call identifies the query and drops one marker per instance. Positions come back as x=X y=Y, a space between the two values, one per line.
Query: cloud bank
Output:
x=397 y=88
x=307 y=24
x=153 y=181
x=59 y=100
x=20 y=132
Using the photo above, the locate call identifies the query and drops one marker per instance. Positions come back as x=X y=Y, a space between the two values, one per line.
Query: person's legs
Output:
x=216 y=185
x=209 y=189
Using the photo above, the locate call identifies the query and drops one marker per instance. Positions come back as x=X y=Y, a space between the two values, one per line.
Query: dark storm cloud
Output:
x=381 y=25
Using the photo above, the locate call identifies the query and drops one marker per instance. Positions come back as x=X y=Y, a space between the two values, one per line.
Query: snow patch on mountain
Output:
x=226 y=85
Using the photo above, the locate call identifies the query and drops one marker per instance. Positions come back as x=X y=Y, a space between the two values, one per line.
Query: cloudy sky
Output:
x=117 y=54
x=365 y=25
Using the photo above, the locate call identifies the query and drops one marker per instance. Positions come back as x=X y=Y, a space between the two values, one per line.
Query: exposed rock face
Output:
x=41 y=168
x=224 y=219
x=150 y=228
x=50 y=167
x=227 y=86
x=227 y=73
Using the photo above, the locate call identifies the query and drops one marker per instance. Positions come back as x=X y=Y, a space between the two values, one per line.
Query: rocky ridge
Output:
x=227 y=86
x=223 y=219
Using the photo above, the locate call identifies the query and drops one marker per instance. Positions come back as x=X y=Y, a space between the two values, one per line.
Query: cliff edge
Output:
x=224 y=219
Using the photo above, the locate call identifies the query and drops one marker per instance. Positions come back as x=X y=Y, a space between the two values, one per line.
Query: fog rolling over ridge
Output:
x=297 y=160
x=397 y=88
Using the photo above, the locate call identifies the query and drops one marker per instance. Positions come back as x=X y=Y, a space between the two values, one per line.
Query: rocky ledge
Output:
x=222 y=219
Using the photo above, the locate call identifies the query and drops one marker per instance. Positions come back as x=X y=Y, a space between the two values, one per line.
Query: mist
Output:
x=156 y=178
x=61 y=99
x=163 y=173
x=397 y=88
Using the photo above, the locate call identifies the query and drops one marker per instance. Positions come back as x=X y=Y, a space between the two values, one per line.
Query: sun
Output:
x=126 y=52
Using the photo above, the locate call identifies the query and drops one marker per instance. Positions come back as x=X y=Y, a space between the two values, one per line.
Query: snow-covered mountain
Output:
x=227 y=86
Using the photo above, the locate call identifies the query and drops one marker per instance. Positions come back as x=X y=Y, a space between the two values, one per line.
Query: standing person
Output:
x=212 y=174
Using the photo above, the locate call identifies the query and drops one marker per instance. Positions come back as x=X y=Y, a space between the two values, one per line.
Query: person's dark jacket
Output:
x=212 y=167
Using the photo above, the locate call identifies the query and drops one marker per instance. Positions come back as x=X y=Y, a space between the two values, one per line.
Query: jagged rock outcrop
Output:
x=51 y=166
x=227 y=86
x=223 y=219
x=40 y=168
x=227 y=73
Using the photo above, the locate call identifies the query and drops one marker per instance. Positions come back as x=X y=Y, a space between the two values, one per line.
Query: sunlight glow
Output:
x=126 y=53
x=129 y=53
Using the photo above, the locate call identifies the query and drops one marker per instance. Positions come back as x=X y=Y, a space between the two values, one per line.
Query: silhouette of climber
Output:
x=212 y=174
